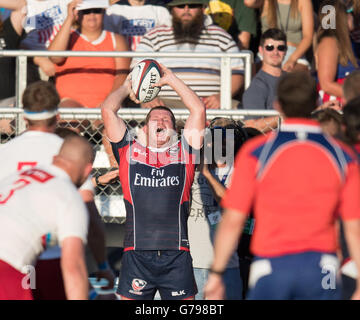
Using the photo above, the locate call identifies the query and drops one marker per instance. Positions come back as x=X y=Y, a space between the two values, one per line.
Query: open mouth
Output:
x=159 y=130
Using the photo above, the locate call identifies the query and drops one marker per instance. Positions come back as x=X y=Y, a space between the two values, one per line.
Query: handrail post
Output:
x=21 y=82
x=225 y=83
x=248 y=69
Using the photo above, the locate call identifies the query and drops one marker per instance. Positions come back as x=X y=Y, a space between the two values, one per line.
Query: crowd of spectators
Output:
x=322 y=42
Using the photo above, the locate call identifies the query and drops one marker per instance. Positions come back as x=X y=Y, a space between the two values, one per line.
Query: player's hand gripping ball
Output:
x=144 y=74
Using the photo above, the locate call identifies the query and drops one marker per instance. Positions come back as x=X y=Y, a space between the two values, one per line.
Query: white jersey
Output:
x=43 y=21
x=30 y=149
x=134 y=21
x=38 y=206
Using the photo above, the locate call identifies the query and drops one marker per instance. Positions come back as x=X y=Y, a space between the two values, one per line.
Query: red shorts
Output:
x=11 y=284
x=49 y=281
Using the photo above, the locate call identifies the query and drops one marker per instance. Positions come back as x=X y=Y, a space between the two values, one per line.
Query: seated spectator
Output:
x=43 y=21
x=191 y=31
x=133 y=18
x=234 y=17
x=262 y=90
x=333 y=55
x=85 y=82
x=295 y=19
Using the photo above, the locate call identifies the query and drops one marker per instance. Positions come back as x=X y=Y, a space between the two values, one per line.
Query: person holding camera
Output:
x=222 y=141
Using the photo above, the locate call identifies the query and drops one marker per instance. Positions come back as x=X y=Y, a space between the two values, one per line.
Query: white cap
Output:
x=89 y=4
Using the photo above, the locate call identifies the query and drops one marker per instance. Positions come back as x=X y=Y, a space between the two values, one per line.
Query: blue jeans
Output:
x=232 y=282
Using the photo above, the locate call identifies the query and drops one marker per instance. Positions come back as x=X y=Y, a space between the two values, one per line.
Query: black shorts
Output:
x=145 y=272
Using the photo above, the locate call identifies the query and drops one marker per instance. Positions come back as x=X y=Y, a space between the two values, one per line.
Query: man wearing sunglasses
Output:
x=192 y=32
x=261 y=92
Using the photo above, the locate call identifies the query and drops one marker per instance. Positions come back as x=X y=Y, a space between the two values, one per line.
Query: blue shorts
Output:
x=145 y=272
x=303 y=276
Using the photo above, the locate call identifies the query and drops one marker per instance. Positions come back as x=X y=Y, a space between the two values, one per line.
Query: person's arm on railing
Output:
x=61 y=40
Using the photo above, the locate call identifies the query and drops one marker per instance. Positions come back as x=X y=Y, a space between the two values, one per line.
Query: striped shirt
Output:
x=201 y=75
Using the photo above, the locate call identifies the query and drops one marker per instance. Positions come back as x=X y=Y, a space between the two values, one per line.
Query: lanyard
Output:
x=287 y=19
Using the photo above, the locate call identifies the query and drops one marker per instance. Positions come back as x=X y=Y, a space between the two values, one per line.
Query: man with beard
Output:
x=192 y=32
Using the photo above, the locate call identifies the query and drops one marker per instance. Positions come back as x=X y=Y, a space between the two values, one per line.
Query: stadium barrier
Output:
x=88 y=121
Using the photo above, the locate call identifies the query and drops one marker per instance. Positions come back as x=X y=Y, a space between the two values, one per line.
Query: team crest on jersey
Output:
x=137 y=285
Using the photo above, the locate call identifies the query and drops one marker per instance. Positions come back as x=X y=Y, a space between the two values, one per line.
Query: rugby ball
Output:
x=144 y=74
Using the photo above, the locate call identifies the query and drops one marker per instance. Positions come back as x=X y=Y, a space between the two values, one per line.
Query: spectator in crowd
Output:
x=26 y=219
x=234 y=17
x=36 y=146
x=333 y=55
x=351 y=87
x=133 y=18
x=286 y=244
x=222 y=142
x=192 y=32
x=353 y=13
x=43 y=21
x=156 y=172
x=351 y=125
x=97 y=76
x=11 y=32
x=330 y=121
x=262 y=90
x=295 y=18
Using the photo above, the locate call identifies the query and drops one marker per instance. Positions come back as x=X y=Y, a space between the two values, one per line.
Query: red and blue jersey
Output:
x=156 y=186
x=297 y=180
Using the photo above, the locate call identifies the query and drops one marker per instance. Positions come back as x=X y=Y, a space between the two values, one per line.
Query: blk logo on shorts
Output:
x=137 y=285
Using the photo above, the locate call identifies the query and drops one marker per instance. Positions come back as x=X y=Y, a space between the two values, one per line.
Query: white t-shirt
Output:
x=134 y=21
x=37 y=207
x=30 y=149
x=204 y=217
x=43 y=21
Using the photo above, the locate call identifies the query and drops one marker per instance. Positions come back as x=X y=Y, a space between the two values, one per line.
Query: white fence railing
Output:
x=225 y=71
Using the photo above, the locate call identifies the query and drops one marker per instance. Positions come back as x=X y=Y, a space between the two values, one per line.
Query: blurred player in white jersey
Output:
x=36 y=146
x=41 y=204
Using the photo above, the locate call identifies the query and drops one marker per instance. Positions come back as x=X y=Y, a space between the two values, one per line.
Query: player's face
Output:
x=187 y=13
x=273 y=52
x=159 y=128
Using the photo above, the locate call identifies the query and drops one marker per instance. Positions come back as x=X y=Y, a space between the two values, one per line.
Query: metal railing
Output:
x=225 y=70
x=109 y=199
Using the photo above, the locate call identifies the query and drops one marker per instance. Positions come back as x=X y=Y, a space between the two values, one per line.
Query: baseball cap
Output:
x=179 y=2
x=90 y=4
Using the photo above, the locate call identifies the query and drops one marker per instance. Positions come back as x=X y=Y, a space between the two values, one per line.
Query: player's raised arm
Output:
x=195 y=124
x=115 y=127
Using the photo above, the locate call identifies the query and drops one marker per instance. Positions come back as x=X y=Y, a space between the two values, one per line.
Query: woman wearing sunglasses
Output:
x=86 y=81
x=334 y=55
x=295 y=19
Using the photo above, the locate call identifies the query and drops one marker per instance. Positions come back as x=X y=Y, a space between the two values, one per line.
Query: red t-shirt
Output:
x=297 y=180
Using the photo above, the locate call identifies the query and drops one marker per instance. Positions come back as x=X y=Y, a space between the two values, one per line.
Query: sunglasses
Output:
x=271 y=47
x=93 y=10
x=190 y=6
